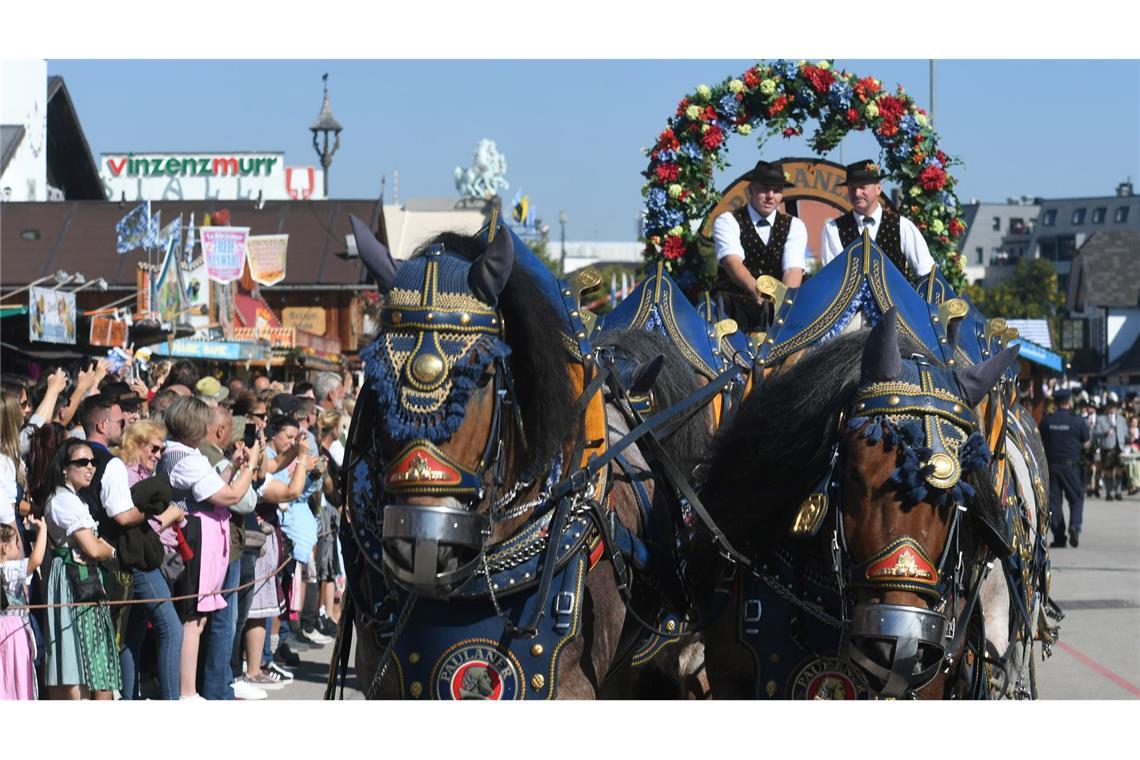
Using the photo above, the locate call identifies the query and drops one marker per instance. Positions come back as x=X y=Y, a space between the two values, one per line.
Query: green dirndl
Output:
x=80 y=647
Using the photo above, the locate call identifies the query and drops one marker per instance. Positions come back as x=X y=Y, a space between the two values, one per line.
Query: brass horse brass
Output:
x=767 y=285
x=811 y=513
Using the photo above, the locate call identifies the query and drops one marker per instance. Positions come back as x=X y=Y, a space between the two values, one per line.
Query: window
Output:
x=981 y=252
x=1098 y=215
x=997 y=224
x=1050 y=217
x=1121 y=215
x=1079 y=216
x=1016 y=225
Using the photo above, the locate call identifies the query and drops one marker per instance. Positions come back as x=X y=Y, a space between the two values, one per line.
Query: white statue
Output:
x=487 y=177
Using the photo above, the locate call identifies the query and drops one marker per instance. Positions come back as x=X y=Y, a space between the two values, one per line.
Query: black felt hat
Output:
x=768 y=174
x=862 y=173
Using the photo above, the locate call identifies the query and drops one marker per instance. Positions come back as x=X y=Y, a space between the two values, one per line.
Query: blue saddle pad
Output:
x=861 y=279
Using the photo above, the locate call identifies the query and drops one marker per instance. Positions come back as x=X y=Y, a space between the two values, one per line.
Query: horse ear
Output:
x=953 y=333
x=975 y=381
x=881 y=359
x=489 y=273
x=374 y=255
x=644 y=375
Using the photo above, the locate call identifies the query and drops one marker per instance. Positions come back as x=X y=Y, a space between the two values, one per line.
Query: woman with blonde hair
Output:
x=143 y=444
x=13 y=481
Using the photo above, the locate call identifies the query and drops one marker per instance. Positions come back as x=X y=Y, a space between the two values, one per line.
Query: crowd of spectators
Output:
x=1111 y=464
x=166 y=536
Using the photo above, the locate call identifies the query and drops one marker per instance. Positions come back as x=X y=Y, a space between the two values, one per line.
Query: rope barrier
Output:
x=199 y=595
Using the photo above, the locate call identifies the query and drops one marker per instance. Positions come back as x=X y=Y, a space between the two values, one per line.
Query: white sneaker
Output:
x=285 y=674
x=192 y=698
x=246 y=691
x=319 y=638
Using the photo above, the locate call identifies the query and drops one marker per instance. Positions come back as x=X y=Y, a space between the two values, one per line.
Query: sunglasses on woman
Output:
x=83 y=462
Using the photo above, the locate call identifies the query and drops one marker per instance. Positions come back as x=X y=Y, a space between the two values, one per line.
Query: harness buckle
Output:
x=752 y=612
x=563 y=611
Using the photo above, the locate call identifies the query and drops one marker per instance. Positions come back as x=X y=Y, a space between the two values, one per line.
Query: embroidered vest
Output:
x=760 y=258
x=889 y=237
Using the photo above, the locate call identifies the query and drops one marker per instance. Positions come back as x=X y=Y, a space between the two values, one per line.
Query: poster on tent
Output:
x=169 y=291
x=224 y=250
x=197 y=293
x=267 y=258
x=222 y=310
x=51 y=316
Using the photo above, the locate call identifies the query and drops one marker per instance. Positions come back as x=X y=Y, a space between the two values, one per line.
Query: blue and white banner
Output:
x=170 y=236
x=133 y=230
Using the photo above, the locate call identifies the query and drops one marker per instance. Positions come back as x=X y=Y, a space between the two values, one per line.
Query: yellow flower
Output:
x=921 y=119
x=735 y=85
x=872 y=110
x=915 y=191
x=677 y=231
x=704 y=91
x=823 y=65
x=704 y=128
x=744 y=129
x=694 y=112
x=767 y=86
x=937 y=227
x=675 y=191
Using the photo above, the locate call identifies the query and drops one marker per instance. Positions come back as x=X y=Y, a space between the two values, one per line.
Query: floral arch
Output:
x=777 y=99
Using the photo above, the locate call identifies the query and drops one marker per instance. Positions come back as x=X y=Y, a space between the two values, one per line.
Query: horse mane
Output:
x=688 y=445
x=778 y=446
x=538 y=360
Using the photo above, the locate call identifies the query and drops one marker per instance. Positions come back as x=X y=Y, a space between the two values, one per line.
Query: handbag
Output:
x=86 y=583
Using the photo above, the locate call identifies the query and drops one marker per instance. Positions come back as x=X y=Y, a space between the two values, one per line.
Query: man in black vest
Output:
x=754 y=240
x=1063 y=435
x=895 y=234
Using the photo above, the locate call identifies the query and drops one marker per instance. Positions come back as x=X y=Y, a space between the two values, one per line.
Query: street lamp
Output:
x=562 y=261
x=321 y=128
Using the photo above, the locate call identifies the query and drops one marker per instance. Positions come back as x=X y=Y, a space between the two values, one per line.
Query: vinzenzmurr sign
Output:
x=206 y=176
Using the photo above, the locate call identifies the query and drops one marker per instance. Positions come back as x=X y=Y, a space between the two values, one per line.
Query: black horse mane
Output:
x=689 y=444
x=538 y=360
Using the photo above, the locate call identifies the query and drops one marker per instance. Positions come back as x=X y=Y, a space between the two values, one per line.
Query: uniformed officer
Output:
x=754 y=240
x=1064 y=434
x=899 y=238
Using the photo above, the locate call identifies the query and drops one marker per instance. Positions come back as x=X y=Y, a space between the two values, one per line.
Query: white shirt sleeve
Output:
x=115 y=490
x=68 y=513
x=795 y=249
x=726 y=235
x=914 y=247
x=831 y=245
x=7 y=490
x=195 y=473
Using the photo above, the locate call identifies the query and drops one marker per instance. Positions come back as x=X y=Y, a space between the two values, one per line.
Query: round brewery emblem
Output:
x=826 y=678
x=478 y=671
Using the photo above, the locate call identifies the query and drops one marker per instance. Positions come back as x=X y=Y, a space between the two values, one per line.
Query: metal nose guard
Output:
x=916 y=638
x=427 y=528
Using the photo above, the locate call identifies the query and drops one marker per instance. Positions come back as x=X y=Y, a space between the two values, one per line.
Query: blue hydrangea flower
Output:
x=908 y=125
x=655 y=202
x=691 y=151
x=667 y=156
x=947 y=199
x=666 y=219
x=786 y=69
x=933 y=161
x=839 y=94
x=728 y=107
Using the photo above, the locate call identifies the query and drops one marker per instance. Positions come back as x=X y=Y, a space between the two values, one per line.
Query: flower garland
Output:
x=782 y=96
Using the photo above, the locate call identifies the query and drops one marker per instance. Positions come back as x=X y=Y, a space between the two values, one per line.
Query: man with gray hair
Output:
x=328 y=389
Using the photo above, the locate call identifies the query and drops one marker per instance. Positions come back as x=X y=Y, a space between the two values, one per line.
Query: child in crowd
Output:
x=17 y=644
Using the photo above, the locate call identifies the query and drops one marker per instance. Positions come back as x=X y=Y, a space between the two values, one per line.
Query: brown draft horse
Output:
x=470 y=416
x=855 y=481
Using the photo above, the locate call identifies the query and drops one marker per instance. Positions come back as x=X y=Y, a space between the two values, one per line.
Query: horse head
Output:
x=911 y=461
x=446 y=428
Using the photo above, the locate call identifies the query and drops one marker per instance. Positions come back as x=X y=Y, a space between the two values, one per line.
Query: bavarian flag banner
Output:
x=134 y=230
x=266 y=257
x=224 y=249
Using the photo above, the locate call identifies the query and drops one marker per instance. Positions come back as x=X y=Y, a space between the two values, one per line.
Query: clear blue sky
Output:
x=573 y=131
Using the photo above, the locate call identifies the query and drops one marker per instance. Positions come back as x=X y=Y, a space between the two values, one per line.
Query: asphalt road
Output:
x=1097 y=586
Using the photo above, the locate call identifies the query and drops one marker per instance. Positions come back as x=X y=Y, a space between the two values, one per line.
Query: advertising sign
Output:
x=109 y=332
x=310 y=318
x=267 y=258
x=212 y=349
x=206 y=176
x=51 y=316
x=197 y=293
x=224 y=250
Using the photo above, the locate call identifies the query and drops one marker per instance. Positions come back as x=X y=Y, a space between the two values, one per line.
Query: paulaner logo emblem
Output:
x=478 y=671
x=826 y=678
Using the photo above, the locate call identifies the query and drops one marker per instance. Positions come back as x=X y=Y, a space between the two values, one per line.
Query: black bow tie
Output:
x=762 y=223
x=868 y=220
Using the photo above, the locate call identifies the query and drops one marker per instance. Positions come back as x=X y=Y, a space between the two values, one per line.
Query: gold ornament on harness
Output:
x=946 y=471
x=811 y=513
x=428 y=368
x=905 y=567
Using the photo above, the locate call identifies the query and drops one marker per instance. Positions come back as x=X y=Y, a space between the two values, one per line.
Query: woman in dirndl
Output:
x=206 y=498
x=82 y=658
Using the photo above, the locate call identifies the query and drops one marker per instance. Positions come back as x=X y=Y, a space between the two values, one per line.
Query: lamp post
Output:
x=562 y=258
x=321 y=128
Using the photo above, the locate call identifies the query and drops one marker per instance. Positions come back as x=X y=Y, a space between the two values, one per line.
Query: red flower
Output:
x=888 y=128
x=674 y=247
x=932 y=178
x=752 y=78
x=685 y=194
x=866 y=87
x=710 y=113
x=666 y=172
x=891 y=107
x=919 y=139
x=956 y=227
x=820 y=79
x=942 y=158
x=712 y=138
x=852 y=115
x=684 y=104
x=791 y=131
x=668 y=141
x=777 y=105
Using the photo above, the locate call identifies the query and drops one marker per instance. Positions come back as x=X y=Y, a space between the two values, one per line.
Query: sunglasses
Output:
x=260 y=416
x=25 y=404
x=156 y=449
x=84 y=462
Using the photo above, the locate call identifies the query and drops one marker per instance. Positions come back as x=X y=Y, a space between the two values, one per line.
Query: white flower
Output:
x=704 y=91
x=823 y=65
x=675 y=191
x=677 y=230
x=736 y=85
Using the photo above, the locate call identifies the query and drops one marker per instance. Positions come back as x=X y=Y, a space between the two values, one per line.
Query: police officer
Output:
x=1064 y=434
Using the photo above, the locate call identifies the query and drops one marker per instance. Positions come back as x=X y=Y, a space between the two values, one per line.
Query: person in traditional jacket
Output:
x=754 y=240
x=895 y=234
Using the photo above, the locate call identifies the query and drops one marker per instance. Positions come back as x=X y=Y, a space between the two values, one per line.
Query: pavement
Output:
x=1097 y=586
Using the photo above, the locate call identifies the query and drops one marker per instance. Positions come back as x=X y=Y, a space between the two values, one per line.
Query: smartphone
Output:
x=249 y=436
